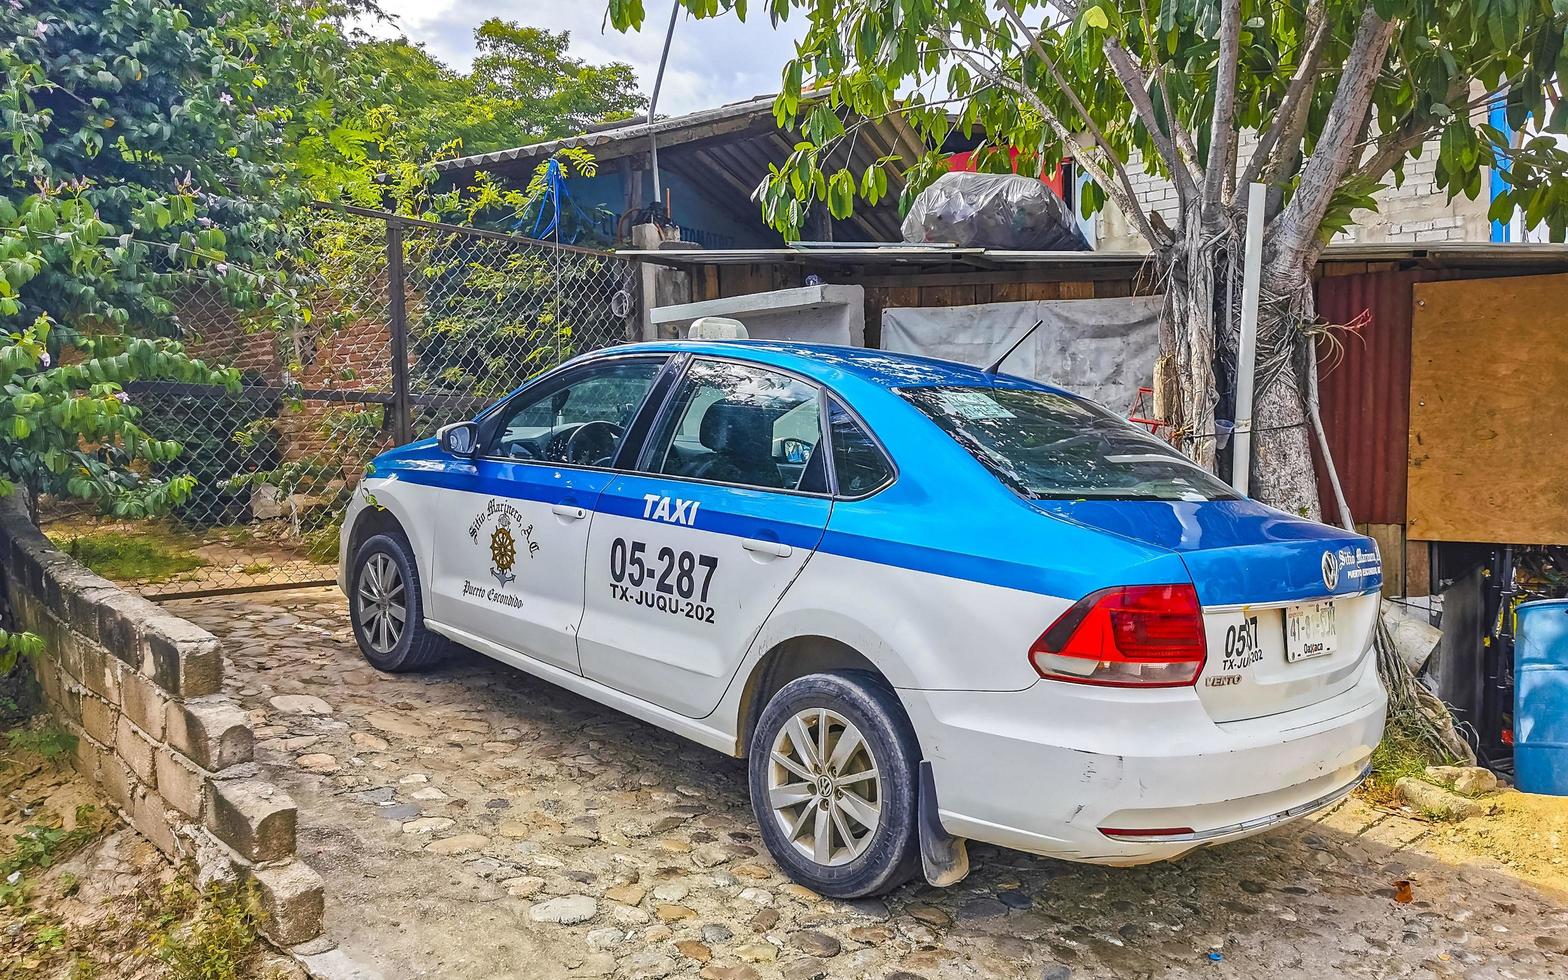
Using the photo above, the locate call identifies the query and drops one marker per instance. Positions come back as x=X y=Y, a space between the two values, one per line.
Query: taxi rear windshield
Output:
x=1051 y=446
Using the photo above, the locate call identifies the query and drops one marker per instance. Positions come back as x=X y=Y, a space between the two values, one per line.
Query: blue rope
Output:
x=554 y=190
x=555 y=195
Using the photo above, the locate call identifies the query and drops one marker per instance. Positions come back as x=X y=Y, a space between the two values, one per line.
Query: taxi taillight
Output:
x=1126 y=636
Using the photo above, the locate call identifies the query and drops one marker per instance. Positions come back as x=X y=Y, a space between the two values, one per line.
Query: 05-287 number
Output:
x=677 y=581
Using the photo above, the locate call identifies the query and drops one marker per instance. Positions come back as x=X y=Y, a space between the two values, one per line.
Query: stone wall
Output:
x=140 y=688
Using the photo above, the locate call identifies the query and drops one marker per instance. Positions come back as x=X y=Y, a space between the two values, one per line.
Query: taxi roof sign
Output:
x=717 y=328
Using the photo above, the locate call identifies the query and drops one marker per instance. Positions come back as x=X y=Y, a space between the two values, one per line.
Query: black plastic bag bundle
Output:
x=1006 y=211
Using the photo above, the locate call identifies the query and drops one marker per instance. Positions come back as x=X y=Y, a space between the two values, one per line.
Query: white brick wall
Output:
x=1416 y=211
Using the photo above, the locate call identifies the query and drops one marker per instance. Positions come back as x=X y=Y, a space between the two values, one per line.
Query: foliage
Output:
x=13 y=647
x=531 y=210
x=68 y=427
x=47 y=740
x=42 y=846
x=140 y=554
x=146 y=156
x=145 y=151
x=1171 y=85
x=409 y=109
x=206 y=936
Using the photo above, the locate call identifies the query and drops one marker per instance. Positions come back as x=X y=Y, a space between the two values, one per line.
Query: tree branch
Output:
x=1154 y=238
x=1412 y=131
x=1291 y=119
x=1125 y=199
x=1222 y=127
x=1184 y=142
x=1133 y=80
x=1333 y=156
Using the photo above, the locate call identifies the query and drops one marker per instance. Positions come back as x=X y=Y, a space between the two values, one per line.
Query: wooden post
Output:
x=402 y=410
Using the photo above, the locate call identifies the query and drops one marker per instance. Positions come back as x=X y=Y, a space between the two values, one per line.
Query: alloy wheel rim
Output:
x=824 y=787
x=383 y=611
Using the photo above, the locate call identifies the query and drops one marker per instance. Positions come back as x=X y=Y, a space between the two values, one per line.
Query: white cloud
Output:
x=711 y=62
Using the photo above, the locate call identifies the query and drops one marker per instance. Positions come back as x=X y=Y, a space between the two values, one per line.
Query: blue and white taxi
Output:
x=928 y=603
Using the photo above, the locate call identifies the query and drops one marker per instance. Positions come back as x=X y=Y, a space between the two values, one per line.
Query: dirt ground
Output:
x=83 y=896
x=476 y=823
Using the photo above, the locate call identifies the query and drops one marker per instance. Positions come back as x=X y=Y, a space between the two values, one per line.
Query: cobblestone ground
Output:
x=474 y=822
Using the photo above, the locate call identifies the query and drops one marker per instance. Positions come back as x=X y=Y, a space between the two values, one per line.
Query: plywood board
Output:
x=1489 y=411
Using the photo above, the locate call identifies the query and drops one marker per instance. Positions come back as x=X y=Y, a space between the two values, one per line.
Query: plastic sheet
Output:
x=1006 y=211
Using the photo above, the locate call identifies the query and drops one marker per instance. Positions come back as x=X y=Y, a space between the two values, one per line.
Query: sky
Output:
x=712 y=62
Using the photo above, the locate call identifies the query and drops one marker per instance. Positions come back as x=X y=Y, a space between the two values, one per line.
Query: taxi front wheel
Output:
x=386 y=606
x=834 y=772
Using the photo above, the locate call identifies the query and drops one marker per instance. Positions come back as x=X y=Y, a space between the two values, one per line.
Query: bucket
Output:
x=1541 y=697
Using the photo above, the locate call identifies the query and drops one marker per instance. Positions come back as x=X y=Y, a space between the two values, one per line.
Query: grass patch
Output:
x=47 y=739
x=143 y=554
x=1396 y=757
x=257 y=568
x=206 y=936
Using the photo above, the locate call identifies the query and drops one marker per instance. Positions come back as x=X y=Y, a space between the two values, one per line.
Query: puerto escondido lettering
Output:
x=492 y=595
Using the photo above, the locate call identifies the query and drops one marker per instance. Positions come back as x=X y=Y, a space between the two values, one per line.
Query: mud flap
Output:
x=943 y=857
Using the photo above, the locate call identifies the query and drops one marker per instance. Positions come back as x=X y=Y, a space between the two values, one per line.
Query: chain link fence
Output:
x=412 y=325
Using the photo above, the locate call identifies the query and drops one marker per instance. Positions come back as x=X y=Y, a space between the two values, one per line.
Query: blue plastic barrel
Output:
x=1541 y=697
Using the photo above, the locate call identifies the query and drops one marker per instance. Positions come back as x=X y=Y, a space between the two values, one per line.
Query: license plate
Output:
x=1309 y=631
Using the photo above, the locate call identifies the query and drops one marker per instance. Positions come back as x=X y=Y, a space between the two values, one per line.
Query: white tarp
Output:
x=1103 y=349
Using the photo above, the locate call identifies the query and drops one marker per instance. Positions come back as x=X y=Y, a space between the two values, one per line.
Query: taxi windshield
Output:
x=1049 y=445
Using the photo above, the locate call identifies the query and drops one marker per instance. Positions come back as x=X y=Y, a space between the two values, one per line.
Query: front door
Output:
x=687 y=558
x=508 y=555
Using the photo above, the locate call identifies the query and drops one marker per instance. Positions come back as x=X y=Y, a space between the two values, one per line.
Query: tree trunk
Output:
x=1199 y=316
x=1282 y=470
x=1187 y=338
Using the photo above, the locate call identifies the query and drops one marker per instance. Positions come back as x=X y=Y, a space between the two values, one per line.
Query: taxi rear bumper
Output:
x=1052 y=768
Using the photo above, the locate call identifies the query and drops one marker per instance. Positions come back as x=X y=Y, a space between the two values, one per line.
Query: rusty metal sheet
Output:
x=1364 y=385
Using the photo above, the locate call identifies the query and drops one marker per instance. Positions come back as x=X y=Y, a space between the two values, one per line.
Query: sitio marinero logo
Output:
x=501 y=529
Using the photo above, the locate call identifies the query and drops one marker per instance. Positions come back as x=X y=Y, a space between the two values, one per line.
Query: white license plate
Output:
x=1309 y=631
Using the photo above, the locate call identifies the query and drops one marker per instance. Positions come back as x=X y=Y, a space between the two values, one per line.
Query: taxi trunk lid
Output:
x=1289 y=605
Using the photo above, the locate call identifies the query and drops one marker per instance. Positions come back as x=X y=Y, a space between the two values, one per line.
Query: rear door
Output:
x=687 y=557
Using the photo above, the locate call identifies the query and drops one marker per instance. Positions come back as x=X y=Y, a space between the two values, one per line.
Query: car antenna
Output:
x=997 y=364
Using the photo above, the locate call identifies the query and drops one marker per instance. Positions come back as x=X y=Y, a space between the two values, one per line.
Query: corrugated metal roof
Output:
x=726 y=151
x=631 y=129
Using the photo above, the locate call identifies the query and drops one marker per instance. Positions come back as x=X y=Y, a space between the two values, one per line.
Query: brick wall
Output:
x=1416 y=211
x=140 y=688
x=350 y=357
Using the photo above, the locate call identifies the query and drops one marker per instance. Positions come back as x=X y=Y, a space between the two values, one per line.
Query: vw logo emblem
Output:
x=1330 y=570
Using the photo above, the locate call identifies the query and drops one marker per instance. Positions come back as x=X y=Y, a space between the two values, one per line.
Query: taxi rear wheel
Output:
x=834 y=784
x=386 y=606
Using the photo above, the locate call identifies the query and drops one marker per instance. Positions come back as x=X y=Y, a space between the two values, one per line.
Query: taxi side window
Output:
x=858 y=462
x=580 y=422
x=740 y=424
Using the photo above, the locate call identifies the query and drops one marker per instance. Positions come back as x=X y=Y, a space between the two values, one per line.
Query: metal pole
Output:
x=1247 y=356
x=653 y=103
x=402 y=414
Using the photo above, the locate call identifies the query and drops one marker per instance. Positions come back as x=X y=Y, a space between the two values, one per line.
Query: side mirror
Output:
x=459 y=439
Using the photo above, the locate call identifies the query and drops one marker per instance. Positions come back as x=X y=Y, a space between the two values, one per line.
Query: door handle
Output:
x=569 y=512
x=774 y=548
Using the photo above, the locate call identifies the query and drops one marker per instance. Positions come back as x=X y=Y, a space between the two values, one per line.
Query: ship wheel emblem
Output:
x=503 y=554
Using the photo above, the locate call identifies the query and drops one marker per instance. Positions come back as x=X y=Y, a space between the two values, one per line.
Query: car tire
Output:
x=866 y=861
x=383 y=579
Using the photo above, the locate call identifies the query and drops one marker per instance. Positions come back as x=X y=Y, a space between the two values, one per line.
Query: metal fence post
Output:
x=402 y=411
